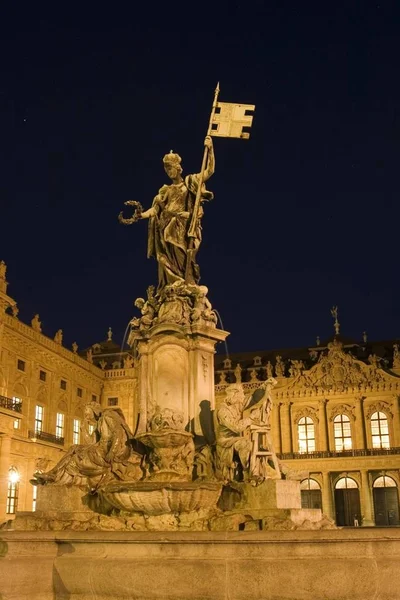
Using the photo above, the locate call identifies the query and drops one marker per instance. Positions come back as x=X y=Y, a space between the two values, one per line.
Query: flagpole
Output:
x=192 y=228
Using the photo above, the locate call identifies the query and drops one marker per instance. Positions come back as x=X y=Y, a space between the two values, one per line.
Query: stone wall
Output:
x=351 y=564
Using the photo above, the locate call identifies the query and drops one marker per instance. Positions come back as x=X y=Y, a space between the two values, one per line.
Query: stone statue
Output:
x=232 y=449
x=269 y=369
x=15 y=310
x=253 y=376
x=169 y=219
x=89 y=355
x=3 y=269
x=58 y=338
x=36 y=324
x=128 y=362
x=103 y=364
x=146 y=320
x=74 y=347
x=396 y=356
x=175 y=304
x=296 y=368
x=279 y=367
x=202 y=308
x=374 y=361
x=91 y=465
x=238 y=373
x=109 y=334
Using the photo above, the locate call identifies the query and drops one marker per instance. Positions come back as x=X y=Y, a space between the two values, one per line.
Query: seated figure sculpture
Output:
x=232 y=423
x=94 y=464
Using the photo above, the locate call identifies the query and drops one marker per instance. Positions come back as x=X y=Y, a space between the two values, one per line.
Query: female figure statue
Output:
x=170 y=217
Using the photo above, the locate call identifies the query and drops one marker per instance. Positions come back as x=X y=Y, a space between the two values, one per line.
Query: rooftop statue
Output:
x=170 y=218
x=109 y=457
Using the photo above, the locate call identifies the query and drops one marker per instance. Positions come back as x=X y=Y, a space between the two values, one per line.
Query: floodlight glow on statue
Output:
x=176 y=212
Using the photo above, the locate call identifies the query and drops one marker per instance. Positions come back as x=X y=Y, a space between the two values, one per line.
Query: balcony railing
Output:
x=11 y=404
x=343 y=454
x=45 y=437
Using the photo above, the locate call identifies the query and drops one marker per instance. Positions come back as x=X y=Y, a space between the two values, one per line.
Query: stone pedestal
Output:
x=176 y=371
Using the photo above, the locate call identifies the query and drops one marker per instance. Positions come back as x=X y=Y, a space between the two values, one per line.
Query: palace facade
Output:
x=335 y=418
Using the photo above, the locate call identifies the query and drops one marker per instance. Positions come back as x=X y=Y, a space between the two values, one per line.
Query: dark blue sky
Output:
x=306 y=213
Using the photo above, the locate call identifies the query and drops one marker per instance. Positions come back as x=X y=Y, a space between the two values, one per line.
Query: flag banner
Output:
x=230 y=119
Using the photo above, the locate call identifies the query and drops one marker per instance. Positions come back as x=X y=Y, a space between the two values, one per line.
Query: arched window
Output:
x=12 y=491
x=342 y=433
x=310 y=494
x=346 y=483
x=384 y=481
x=306 y=434
x=380 y=430
x=386 y=502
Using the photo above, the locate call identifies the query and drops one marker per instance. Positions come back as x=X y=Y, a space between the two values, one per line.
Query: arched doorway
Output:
x=347 y=502
x=310 y=494
x=386 y=501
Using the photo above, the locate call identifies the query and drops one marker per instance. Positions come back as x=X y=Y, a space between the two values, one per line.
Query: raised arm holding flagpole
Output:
x=174 y=217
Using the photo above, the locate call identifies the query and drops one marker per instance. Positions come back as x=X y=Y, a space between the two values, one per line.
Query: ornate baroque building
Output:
x=335 y=419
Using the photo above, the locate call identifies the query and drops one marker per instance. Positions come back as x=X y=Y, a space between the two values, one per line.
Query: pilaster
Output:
x=366 y=499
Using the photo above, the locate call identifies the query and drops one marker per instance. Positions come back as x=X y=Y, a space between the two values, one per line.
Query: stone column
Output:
x=396 y=421
x=327 y=503
x=276 y=428
x=5 y=450
x=286 y=429
x=361 y=437
x=366 y=499
x=323 y=426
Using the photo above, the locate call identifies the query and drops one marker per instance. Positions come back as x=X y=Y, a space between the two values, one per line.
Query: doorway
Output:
x=386 y=502
x=347 y=503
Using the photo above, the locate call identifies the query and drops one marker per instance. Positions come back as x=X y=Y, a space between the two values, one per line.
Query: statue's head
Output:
x=172 y=165
x=139 y=302
x=93 y=410
x=234 y=394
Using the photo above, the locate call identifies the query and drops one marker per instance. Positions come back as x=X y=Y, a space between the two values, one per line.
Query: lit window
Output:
x=21 y=365
x=311 y=496
x=16 y=401
x=113 y=402
x=380 y=430
x=346 y=483
x=306 y=434
x=342 y=433
x=76 y=432
x=63 y=384
x=60 y=425
x=34 y=497
x=384 y=481
x=42 y=375
x=38 y=419
x=17 y=423
x=12 y=491
x=79 y=392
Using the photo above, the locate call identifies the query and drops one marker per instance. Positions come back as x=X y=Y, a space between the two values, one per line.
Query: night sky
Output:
x=306 y=213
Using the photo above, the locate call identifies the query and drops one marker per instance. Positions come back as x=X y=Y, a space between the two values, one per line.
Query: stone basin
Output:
x=157 y=497
x=166 y=438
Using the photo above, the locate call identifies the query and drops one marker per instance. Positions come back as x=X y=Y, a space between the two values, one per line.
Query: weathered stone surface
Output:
x=271 y=494
x=351 y=564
